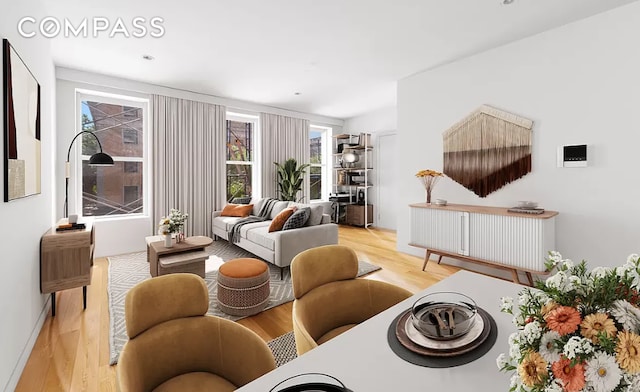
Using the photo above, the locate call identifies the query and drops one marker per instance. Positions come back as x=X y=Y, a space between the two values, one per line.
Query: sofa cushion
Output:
x=240 y=210
x=257 y=205
x=260 y=235
x=277 y=208
x=316 y=215
x=278 y=222
x=298 y=219
x=317 y=210
x=225 y=222
x=245 y=228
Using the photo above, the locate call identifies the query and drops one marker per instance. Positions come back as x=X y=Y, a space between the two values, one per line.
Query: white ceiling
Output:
x=344 y=56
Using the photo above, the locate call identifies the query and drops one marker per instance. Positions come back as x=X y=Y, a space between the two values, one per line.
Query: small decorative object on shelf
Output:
x=578 y=331
x=172 y=224
x=429 y=179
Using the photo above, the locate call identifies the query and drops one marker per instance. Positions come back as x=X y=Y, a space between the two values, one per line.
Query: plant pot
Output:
x=168 y=243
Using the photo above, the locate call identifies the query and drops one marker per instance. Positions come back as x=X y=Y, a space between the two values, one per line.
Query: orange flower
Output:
x=596 y=323
x=628 y=351
x=563 y=320
x=572 y=377
x=532 y=369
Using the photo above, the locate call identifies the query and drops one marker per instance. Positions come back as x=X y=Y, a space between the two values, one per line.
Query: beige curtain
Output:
x=283 y=138
x=188 y=160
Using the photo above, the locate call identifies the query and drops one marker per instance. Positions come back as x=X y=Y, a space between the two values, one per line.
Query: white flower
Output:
x=506 y=305
x=502 y=361
x=623 y=270
x=600 y=272
x=518 y=319
x=633 y=259
x=632 y=382
x=567 y=264
x=555 y=257
x=555 y=386
x=602 y=373
x=514 y=346
x=559 y=281
x=626 y=314
x=532 y=332
x=548 y=349
x=577 y=346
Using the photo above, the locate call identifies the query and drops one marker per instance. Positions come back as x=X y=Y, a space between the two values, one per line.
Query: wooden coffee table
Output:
x=189 y=244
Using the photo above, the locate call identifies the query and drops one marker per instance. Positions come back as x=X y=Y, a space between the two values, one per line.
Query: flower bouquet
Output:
x=172 y=223
x=578 y=332
x=429 y=178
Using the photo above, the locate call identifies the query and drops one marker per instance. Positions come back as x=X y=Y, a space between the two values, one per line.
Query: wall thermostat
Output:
x=572 y=156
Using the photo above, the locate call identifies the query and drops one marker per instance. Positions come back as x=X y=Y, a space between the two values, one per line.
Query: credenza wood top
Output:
x=485 y=210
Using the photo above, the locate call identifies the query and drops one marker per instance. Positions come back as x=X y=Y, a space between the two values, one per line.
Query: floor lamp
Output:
x=97 y=159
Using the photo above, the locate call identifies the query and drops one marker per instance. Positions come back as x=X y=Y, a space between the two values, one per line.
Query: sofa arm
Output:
x=289 y=243
x=216 y=214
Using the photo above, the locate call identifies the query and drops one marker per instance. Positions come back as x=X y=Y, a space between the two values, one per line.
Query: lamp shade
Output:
x=350 y=157
x=100 y=159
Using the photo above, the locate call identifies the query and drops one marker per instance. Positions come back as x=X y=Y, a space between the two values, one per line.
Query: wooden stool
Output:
x=192 y=262
x=243 y=286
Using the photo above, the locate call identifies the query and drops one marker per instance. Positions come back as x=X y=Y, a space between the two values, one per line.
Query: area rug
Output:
x=128 y=270
x=283 y=348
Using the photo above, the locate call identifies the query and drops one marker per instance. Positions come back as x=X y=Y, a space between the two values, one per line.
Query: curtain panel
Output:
x=188 y=160
x=283 y=138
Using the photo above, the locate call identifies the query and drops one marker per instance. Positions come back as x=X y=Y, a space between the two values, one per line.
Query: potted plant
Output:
x=290 y=177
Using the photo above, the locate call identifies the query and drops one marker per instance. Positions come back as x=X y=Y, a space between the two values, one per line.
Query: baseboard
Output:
x=26 y=352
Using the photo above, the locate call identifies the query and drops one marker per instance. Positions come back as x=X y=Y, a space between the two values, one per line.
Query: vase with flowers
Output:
x=172 y=224
x=579 y=331
x=429 y=178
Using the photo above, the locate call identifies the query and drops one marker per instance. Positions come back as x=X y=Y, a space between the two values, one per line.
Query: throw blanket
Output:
x=263 y=215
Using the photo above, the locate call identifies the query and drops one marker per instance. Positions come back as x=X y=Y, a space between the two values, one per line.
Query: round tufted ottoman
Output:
x=243 y=286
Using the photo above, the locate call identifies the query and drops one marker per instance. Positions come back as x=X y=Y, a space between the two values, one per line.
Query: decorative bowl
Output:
x=527 y=204
x=440 y=202
x=444 y=315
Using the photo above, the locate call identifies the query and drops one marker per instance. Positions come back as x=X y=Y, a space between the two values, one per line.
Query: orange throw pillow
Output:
x=278 y=222
x=239 y=210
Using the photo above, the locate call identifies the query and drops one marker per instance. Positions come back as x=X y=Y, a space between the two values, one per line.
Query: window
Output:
x=240 y=151
x=318 y=171
x=119 y=124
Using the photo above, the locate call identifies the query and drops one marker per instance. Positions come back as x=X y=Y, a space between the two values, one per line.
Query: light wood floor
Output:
x=72 y=350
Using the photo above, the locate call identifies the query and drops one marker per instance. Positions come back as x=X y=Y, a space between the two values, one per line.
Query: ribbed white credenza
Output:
x=490 y=236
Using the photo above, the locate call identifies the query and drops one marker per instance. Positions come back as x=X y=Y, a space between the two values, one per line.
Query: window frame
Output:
x=75 y=199
x=324 y=166
x=256 y=190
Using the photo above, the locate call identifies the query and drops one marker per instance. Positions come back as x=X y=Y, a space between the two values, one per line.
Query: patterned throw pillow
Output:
x=298 y=219
x=278 y=222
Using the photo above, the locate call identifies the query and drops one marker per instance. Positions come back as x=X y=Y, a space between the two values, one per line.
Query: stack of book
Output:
x=71 y=226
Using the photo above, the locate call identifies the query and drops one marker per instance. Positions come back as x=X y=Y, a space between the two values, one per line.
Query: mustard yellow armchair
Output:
x=174 y=346
x=329 y=300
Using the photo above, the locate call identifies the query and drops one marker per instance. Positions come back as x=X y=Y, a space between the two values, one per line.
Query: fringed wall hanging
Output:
x=487 y=150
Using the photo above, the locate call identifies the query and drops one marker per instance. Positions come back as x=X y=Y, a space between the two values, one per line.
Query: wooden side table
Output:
x=66 y=258
x=157 y=249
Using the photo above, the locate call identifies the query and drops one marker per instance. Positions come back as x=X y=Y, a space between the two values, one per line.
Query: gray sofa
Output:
x=279 y=247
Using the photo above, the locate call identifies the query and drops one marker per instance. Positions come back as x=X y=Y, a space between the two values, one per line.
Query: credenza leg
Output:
x=514 y=275
x=426 y=259
x=530 y=278
x=53 y=304
x=84 y=297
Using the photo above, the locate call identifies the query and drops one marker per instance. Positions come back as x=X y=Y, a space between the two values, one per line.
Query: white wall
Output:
x=126 y=234
x=579 y=83
x=25 y=220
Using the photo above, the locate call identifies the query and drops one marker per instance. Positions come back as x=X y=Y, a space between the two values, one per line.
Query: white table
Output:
x=362 y=360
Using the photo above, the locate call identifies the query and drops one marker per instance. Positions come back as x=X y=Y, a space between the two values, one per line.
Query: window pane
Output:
x=111 y=190
x=239 y=141
x=315 y=147
x=315 y=185
x=118 y=127
x=238 y=181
